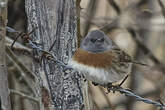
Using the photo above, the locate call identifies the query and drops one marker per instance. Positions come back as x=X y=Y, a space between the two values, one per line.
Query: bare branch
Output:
x=24 y=95
x=4 y=90
x=115 y=6
x=18 y=48
x=24 y=71
x=21 y=65
x=145 y=49
x=162 y=7
x=91 y=12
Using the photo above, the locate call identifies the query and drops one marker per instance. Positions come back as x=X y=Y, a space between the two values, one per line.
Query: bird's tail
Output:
x=139 y=63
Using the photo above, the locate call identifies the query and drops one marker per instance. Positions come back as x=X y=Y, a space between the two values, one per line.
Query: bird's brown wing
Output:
x=118 y=69
x=124 y=57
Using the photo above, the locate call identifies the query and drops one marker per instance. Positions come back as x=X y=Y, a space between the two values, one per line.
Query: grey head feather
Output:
x=96 y=41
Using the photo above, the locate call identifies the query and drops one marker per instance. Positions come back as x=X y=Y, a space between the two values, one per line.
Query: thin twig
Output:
x=0 y=104
x=19 y=48
x=91 y=8
x=18 y=45
x=21 y=65
x=78 y=21
x=110 y=27
x=145 y=49
x=24 y=95
x=123 y=80
x=19 y=35
x=23 y=69
x=11 y=30
x=162 y=7
x=115 y=6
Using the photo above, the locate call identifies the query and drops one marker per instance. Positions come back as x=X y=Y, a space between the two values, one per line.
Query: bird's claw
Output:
x=95 y=84
x=113 y=88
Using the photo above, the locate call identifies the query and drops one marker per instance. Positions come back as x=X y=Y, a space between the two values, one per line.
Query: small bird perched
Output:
x=100 y=60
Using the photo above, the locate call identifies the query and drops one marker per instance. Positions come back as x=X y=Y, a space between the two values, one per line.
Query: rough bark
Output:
x=57 y=24
x=4 y=90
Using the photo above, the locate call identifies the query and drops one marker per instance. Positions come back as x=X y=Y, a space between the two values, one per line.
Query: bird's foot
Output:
x=113 y=88
x=82 y=76
x=95 y=84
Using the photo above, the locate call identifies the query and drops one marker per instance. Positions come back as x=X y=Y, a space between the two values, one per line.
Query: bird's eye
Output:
x=93 y=40
x=101 y=40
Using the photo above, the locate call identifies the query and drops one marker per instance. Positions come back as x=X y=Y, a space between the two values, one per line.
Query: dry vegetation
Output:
x=137 y=26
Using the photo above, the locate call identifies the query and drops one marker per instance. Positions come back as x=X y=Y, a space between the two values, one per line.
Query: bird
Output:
x=100 y=60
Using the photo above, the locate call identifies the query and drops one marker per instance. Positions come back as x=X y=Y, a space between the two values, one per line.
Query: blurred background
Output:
x=137 y=27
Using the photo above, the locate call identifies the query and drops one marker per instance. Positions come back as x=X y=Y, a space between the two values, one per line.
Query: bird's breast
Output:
x=101 y=76
x=97 y=60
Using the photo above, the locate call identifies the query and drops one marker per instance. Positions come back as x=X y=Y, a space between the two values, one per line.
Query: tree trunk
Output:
x=4 y=90
x=57 y=26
